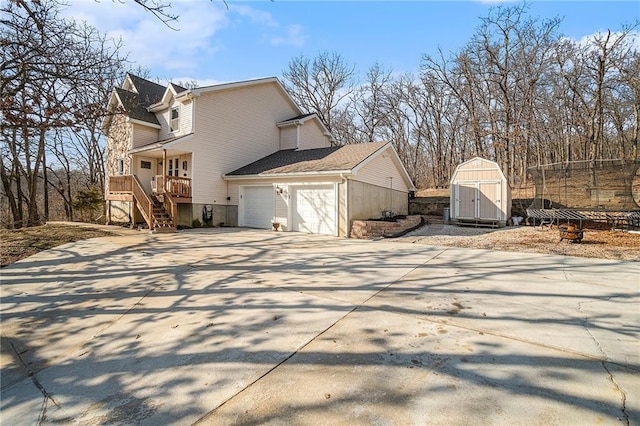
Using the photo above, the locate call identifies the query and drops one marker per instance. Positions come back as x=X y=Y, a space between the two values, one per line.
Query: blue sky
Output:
x=254 y=39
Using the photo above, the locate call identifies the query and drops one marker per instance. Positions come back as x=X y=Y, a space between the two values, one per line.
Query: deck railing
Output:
x=173 y=185
x=120 y=183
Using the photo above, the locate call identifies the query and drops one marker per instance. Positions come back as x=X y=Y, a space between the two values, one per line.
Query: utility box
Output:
x=480 y=194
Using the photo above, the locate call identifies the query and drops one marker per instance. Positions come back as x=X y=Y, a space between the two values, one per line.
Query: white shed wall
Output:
x=475 y=182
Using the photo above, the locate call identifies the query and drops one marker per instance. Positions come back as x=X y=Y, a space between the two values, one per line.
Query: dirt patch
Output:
x=597 y=243
x=21 y=243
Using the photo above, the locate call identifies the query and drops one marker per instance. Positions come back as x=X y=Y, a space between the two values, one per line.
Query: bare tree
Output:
x=369 y=102
x=320 y=85
x=48 y=67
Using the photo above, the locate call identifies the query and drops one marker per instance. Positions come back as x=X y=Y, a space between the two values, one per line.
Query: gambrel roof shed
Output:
x=480 y=193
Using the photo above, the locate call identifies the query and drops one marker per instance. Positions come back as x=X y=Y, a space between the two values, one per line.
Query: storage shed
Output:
x=480 y=194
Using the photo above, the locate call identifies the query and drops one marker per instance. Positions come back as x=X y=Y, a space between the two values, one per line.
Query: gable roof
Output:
x=290 y=161
x=149 y=92
x=135 y=99
x=177 y=88
x=296 y=120
x=135 y=107
x=302 y=118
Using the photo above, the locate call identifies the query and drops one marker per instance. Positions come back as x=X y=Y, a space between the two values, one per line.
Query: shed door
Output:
x=466 y=200
x=314 y=209
x=256 y=206
x=489 y=200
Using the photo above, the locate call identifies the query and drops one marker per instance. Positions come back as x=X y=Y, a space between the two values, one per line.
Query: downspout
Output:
x=345 y=181
x=132 y=205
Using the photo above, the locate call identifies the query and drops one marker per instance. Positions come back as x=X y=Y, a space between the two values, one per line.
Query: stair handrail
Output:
x=171 y=206
x=144 y=202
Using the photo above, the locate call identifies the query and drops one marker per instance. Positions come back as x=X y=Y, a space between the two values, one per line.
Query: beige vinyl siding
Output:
x=289 y=137
x=368 y=201
x=281 y=212
x=379 y=170
x=143 y=135
x=186 y=117
x=312 y=136
x=342 y=210
x=232 y=129
x=163 y=118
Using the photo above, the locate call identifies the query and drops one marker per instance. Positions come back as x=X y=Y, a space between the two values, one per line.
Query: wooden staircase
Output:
x=162 y=220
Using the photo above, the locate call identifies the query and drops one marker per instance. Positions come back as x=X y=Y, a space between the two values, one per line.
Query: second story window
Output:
x=175 y=119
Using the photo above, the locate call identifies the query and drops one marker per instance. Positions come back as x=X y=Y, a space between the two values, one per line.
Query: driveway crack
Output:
x=585 y=324
x=610 y=377
x=623 y=394
x=47 y=396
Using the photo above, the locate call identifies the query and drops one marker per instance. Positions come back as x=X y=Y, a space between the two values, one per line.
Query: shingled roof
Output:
x=149 y=92
x=135 y=107
x=288 y=161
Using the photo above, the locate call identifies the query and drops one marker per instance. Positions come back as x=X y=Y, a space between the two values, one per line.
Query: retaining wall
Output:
x=364 y=229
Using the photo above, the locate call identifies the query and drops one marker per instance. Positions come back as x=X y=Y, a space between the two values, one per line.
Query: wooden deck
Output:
x=159 y=209
x=121 y=188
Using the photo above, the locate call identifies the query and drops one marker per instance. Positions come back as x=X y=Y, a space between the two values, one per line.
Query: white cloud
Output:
x=199 y=36
x=632 y=39
x=294 y=37
x=150 y=42
x=256 y=16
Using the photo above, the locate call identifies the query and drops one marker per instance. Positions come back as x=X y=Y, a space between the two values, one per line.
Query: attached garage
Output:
x=256 y=206
x=320 y=190
x=314 y=209
x=480 y=193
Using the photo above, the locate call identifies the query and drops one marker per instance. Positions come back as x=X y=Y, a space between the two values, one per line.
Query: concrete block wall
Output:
x=364 y=229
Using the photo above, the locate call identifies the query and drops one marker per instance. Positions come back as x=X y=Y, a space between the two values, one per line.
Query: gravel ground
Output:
x=603 y=244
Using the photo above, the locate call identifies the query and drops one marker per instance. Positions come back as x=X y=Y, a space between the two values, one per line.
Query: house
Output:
x=239 y=154
x=480 y=193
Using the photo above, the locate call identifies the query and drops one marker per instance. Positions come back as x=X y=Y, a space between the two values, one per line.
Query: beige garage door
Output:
x=256 y=206
x=314 y=209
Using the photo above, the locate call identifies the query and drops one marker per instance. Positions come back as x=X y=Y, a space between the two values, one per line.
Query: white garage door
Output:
x=256 y=206
x=314 y=209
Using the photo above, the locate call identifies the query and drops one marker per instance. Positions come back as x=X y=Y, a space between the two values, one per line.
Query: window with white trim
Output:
x=175 y=119
x=120 y=166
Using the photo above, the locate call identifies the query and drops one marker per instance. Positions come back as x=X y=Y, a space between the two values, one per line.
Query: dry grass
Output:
x=21 y=243
x=603 y=244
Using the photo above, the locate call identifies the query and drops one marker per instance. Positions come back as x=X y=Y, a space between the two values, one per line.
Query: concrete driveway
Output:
x=238 y=326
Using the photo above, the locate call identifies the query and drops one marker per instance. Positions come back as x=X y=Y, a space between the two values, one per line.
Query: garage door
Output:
x=256 y=206
x=314 y=209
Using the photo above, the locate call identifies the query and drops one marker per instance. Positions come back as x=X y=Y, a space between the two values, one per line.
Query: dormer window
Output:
x=175 y=119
